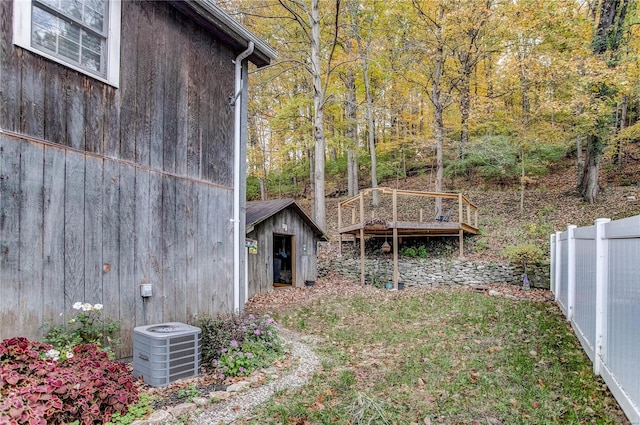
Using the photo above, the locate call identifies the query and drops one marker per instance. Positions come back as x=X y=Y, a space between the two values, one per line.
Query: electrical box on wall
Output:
x=146 y=290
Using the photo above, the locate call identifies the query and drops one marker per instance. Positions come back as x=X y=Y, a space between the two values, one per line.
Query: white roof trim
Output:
x=232 y=27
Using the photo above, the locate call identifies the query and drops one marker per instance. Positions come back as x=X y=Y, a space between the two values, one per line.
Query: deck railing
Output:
x=420 y=207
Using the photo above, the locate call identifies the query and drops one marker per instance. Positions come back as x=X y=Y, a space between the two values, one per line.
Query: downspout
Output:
x=236 y=174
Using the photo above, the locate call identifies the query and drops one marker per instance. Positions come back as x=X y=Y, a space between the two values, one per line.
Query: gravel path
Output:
x=241 y=405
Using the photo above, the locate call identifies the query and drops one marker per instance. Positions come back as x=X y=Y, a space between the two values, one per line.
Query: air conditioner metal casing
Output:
x=165 y=352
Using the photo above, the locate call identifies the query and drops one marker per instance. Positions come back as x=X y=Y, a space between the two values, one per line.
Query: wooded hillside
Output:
x=490 y=92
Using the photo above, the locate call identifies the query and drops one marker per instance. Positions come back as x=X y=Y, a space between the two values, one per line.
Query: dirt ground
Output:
x=334 y=285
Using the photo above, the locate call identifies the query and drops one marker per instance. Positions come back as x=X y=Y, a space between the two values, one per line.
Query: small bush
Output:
x=263 y=331
x=524 y=254
x=217 y=334
x=135 y=411
x=409 y=251
x=236 y=345
x=481 y=244
x=85 y=387
x=235 y=362
x=86 y=327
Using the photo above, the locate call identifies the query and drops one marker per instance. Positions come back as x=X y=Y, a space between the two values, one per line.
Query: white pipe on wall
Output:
x=237 y=103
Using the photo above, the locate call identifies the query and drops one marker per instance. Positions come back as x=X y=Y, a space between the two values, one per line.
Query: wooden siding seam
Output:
x=44 y=142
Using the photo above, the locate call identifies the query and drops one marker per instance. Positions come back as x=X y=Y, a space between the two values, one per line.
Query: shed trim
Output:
x=259 y=211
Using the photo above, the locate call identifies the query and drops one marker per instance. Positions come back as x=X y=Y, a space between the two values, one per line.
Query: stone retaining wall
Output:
x=434 y=272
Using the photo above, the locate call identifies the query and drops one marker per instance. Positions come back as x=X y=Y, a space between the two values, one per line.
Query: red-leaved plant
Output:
x=35 y=389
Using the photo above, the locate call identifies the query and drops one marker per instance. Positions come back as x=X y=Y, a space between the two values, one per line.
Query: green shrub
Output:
x=524 y=254
x=188 y=392
x=135 y=411
x=409 y=251
x=217 y=334
x=86 y=327
x=253 y=188
x=85 y=387
x=237 y=345
x=235 y=362
x=481 y=244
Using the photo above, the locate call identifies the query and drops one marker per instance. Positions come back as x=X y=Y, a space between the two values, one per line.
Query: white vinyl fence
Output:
x=595 y=276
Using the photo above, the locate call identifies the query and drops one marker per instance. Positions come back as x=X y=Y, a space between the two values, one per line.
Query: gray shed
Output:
x=286 y=240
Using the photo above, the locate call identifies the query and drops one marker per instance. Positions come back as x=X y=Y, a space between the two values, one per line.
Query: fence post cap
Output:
x=602 y=220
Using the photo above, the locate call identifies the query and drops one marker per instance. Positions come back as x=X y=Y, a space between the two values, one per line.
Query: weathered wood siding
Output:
x=260 y=266
x=114 y=187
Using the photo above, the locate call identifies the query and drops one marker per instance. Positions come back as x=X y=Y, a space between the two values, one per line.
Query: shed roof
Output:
x=208 y=15
x=258 y=211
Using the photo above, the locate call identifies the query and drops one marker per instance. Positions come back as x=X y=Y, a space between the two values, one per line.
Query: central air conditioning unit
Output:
x=166 y=352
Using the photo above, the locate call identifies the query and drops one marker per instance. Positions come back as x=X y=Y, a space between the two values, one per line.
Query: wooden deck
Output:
x=411 y=229
x=404 y=213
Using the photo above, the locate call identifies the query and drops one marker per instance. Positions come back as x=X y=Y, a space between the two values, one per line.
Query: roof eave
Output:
x=235 y=33
x=291 y=203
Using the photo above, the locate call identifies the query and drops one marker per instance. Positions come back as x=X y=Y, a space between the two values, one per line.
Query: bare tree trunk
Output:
x=488 y=73
x=312 y=181
x=465 y=107
x=524 y=83
x=522 y=181
x=263 y=189
x=589 y=180
x=363 y=53
x=438 y=110
x=352 y=131
x=607 y=40
x=623 y=124
x=372 y=136
x=318 y=118
x=579 y=157
x=352 y=171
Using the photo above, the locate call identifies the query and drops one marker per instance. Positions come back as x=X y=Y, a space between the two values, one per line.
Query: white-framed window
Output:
x=81 y=34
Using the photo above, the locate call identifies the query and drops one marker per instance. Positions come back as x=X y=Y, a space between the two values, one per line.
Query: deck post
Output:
x=395 y=239
x=461 y=242
x=339 y=226
x=361 y=255
x=362 y=238
x=460 y=207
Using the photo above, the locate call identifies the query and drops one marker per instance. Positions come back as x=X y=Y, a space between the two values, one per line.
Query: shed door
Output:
x=284 y=262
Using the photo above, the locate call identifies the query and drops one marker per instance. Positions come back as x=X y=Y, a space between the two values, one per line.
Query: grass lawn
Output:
x=448 y=356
